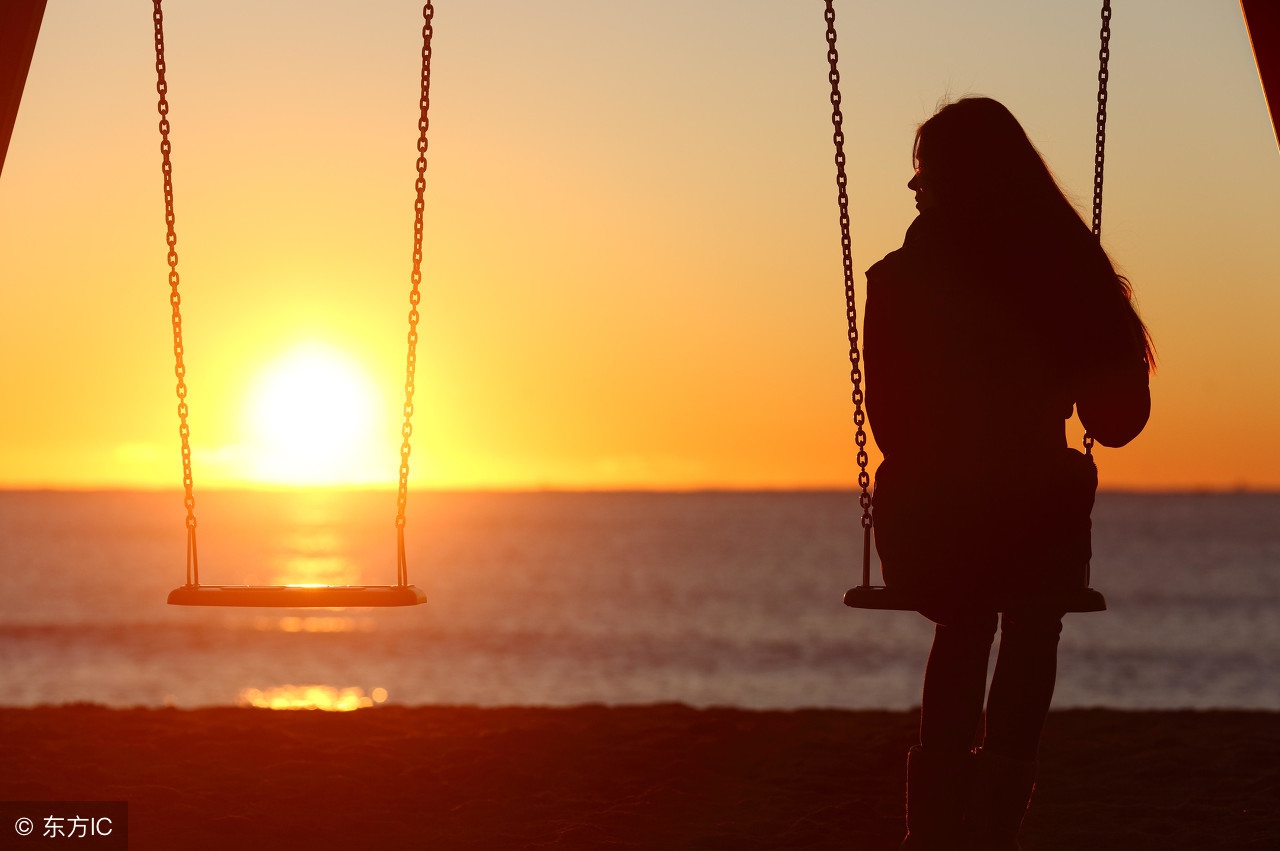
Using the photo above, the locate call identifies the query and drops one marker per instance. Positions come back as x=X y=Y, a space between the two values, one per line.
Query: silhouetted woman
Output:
x=999 y=315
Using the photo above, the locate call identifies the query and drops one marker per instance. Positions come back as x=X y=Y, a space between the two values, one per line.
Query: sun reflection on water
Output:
x=316 y=570
x=315 y=623
x=325 y=698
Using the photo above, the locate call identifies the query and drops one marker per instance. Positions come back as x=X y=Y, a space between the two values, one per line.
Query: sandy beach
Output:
x=661 y=776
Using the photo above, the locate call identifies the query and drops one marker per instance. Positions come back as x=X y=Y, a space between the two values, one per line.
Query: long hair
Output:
x=977 y=161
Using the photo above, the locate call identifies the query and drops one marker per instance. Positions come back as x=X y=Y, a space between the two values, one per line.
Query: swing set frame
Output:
x=20 y=22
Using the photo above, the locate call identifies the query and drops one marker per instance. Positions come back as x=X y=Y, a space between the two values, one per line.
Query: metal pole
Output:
x=19 y=27
x=1262 y=22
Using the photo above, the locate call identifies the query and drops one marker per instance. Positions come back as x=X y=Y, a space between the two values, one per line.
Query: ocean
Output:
x=553 y=598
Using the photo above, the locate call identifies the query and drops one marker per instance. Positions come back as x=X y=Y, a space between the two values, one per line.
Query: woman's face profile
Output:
x=918 y=185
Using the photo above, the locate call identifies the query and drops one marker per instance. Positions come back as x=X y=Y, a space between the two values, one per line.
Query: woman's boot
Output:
x=1002 y=790
x=937 y=789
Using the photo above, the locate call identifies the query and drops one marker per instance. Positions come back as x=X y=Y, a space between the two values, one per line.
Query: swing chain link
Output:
x=1100 y=141
x=175 y=300
x=1100 y=138
x=415 y=295
x=851 y=310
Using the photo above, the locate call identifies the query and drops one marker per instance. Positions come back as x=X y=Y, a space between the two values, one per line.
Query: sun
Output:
x=314 y=418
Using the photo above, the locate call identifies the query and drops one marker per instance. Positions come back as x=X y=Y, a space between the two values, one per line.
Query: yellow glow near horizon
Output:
x=312 y=418
x=325 y=698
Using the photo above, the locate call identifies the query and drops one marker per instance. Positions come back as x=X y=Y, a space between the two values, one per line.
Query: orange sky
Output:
x=632 y=270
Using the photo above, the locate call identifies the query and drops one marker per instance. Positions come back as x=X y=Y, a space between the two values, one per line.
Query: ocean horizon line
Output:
x=557 y=489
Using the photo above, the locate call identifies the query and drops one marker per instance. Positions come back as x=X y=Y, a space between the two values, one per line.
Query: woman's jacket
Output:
x=979 y=342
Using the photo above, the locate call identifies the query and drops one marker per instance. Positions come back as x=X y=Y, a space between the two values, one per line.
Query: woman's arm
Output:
x=1114 y=396
x=1114 y=404
x=888 y=357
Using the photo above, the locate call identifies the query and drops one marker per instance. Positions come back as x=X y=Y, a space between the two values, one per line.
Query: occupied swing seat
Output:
x=893 y=599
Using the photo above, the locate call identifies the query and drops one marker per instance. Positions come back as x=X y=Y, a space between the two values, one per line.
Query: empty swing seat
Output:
x=298 y=596
x=193 y=593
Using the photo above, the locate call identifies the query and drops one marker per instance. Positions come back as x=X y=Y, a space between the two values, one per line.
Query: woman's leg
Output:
x=1021 y=689
x=955 y=680
x=939 y=769
x=1022 y=685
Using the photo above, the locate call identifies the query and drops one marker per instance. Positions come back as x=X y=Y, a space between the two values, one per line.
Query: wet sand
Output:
x=660 y=777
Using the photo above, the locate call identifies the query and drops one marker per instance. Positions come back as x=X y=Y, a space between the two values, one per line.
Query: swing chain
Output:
x=846 y=244
x=415 y=296
x=175 y=300
x=1100 y=139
